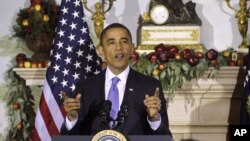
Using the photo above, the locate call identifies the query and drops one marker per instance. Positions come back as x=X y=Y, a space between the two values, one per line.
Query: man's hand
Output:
x=71 y=105
x=153 y=105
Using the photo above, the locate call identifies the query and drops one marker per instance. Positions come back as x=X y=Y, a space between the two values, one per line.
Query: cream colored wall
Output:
x=219 y=31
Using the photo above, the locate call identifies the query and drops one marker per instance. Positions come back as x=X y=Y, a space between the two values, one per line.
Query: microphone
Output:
x=101 y=121
x=122 y=115
x=105 y=111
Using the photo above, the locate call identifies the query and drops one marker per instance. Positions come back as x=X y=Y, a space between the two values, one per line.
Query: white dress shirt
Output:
x=121 y=85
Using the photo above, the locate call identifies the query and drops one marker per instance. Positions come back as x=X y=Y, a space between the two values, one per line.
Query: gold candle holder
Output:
x=242 y=16
x=98 y=16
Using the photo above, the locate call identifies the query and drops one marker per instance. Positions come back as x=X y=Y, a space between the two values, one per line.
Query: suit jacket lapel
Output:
x=130 y=87
x=101 y=83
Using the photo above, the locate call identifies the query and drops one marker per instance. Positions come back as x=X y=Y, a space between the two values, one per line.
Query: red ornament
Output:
x=134 y=56
x=192 y=60
x=211 y=54
x=172 y=51
x=34 y=2
x=152 y=57
x=160 y=48
x=187 y=53
x=232 y=63
x=163 y=57
x=21 y=57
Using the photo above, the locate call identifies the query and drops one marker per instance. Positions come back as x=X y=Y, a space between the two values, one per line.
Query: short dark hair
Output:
x=114 y=25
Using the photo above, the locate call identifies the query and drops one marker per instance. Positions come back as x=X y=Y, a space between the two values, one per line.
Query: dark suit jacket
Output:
x=93 y=96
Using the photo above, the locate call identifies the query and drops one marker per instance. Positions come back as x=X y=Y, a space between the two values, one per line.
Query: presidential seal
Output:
x=109 y=135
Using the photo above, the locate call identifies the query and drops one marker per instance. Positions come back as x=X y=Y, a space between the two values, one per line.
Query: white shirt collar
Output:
x=122 y=76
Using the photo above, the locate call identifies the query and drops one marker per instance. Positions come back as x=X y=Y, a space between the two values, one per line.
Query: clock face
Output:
x=159 y=14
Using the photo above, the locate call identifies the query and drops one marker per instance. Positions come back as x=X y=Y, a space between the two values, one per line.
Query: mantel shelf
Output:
x=32 y=76
x=36 y=76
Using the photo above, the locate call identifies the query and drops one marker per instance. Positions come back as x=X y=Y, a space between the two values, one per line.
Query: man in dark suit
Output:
x=142 y=95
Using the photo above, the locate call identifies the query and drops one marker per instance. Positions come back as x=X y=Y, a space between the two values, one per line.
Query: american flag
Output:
x=72 y=59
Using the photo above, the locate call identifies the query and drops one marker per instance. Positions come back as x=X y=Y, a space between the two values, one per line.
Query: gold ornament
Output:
x=98 y=16
x=46 y=18
x=38 y=7
x=242 y=16
x=25 y=22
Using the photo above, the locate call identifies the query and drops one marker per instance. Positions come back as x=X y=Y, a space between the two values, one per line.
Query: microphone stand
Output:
x=112 y=123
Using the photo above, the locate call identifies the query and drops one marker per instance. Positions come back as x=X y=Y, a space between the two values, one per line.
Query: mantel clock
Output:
x=170 y=23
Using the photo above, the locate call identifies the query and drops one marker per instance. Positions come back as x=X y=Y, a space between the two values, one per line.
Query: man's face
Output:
x=117 y=48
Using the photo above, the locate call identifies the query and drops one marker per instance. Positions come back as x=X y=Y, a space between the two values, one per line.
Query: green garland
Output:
x=175 y=72
x=20 y=103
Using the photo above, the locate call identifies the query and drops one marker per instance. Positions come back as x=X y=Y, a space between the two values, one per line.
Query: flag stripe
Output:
x=35 y=135
x=49 y=122
x=72 y=59
x=53 y=106
x=42 y=131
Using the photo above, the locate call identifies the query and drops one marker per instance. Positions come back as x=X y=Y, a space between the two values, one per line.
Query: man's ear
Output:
x=100 y=51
